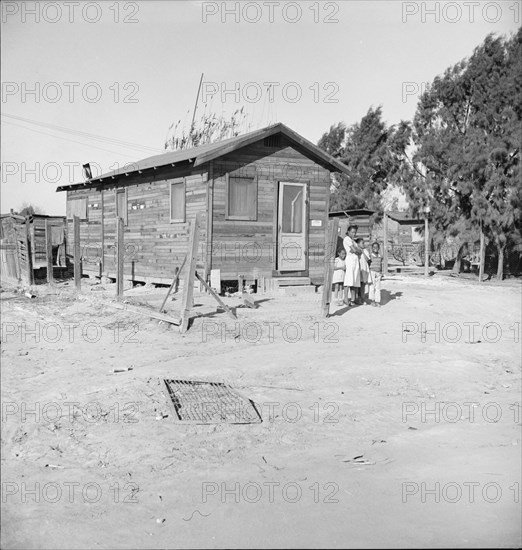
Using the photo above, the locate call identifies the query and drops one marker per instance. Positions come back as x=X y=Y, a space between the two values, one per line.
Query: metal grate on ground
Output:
x=210 y=403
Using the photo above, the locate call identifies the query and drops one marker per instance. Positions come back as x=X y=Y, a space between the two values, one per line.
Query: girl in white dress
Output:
x=364 y=266
x=352 y=279
x=338 y=276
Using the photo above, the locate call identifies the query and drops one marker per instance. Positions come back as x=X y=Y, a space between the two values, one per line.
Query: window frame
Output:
x=126 y=216
x=182 y=182
x=232 y=217
x=86 y=208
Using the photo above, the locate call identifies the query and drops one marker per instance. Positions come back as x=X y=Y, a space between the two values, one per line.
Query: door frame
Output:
x=276 y=272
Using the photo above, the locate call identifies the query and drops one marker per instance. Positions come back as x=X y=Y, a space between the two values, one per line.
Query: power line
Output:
x=80 y=133
x=86 y=135
x=70 y=140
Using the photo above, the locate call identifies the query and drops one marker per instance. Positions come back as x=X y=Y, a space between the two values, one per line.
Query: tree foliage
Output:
x=373 y=153
x=27 y=209
x=467 y=135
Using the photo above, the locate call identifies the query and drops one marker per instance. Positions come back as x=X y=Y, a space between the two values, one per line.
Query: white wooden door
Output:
x=292 y=227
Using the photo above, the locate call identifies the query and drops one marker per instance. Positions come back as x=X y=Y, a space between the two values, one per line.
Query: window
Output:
x=177 y=201
x=121 y=205
x=77 y=207
x=293 y=209
x=241 y=203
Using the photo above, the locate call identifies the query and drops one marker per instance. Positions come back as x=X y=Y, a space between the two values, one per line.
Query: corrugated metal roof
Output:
x=211 y=151
x=169 y=157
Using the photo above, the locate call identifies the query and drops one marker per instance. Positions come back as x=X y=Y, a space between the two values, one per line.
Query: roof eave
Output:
x=327 y=160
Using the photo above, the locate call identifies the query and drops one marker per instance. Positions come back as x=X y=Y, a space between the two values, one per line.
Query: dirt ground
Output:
x=396 y=426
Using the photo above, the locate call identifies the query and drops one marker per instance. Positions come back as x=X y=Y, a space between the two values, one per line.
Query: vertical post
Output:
x=77 y=259
x=119 y=257
x=18 y=263
x=29 y=245
x=102 y=234
x=426 y=246
x=329 y=260
x=49 y=252
x=385 y=244
x=188 y=284
x=482 y=254
x=208 y=233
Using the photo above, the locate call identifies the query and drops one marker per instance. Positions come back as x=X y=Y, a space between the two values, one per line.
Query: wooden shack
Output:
x=23 y=245
x=264 y=199
x=404 y=228
x=404 y=238
x=361 y=217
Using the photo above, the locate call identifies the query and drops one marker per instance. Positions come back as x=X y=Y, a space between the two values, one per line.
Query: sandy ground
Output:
x=375 y=432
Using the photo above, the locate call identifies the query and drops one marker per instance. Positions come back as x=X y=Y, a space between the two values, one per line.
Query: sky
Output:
x=102 y=82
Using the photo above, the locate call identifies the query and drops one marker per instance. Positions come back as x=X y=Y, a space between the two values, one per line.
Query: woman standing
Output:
x=352 y=278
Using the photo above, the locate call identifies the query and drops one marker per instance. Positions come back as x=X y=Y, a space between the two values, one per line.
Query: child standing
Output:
x=338 y=276
x=364 y=260
x=352 y=279
x=375 y=275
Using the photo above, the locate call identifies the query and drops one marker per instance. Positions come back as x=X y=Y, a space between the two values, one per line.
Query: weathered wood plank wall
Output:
x=250 y=247
x=154 y=246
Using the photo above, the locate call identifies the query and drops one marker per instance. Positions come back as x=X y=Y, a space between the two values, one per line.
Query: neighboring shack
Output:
x=264 y=199
x=361 y=217
x=23 y=245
